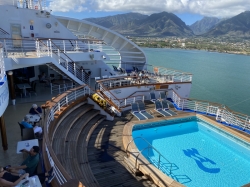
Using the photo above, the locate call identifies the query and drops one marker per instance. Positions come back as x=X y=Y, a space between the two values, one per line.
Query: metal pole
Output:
x=3 y=134
x=12 y=88
x=64 y=46
x=5 y=47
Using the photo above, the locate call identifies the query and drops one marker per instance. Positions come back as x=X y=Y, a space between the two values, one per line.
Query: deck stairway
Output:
x=64 y=64
x=3 y=32
x=69 y=141
x=61 y=72
x=82 y=142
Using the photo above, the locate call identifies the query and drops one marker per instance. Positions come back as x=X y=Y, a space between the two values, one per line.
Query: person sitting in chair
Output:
x=35 y=110
x=37 y=130
x=29 y=164
x=42 y=78
x=10 y=179
x=26 y=123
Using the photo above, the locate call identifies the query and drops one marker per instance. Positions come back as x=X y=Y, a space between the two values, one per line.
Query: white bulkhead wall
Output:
x=40 y=23
x=183 y=90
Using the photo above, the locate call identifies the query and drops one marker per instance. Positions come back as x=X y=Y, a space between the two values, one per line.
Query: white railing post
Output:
x=67 y=64
x=47 y=47
x=58 y=54
x=59 y=107
x=74 y=69
x=64 y=47
x=83 y=76
x=5 y=47
x=246 y=122
x=76 y=46
x=50 y=47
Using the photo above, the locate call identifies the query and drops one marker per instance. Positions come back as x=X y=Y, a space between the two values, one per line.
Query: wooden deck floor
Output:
x=106 y=152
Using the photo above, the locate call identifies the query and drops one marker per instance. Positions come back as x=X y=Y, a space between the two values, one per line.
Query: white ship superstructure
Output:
x=90 y=66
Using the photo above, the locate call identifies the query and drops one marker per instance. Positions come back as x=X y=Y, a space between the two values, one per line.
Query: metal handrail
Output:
x=80 y=74
x=149 y=146
x=222 y=112
x=62 y=100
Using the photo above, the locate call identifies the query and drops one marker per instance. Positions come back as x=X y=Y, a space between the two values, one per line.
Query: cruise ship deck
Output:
x=105 y=150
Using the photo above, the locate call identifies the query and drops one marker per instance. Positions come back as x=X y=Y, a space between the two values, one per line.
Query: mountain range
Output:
x=167 y=24
x=204 y=25
x=237 y=26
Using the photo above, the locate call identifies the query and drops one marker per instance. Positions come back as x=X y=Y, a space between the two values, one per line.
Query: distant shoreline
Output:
x=216 y=51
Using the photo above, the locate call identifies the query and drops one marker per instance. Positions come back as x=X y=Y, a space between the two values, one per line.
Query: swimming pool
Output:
x=201 y=154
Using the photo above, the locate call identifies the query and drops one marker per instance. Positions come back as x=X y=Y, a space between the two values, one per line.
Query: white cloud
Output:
x=68 y=5
x=216 y=8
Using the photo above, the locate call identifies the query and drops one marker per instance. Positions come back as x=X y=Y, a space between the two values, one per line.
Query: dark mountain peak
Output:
x=130 y=15
x=156 y=25
x=116 y=20
x=166 y=19
x=237 y=26
x=204 y=25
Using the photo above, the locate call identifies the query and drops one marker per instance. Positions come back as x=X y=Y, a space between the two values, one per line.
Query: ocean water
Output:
x=217 y=77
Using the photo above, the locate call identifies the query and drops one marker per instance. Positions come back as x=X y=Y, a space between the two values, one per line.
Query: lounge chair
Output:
x=152 y=97
x=165 y=107
x=162 y=95
x=115 y=68
x=136 y=113
x=143 y=110
x=159 y=109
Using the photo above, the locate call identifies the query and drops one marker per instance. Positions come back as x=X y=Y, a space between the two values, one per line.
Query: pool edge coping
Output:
x=149 y=169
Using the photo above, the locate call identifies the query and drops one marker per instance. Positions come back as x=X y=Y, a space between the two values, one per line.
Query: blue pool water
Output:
x=201 y=155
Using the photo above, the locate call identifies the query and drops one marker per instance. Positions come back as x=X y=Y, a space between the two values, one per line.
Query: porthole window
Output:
x=48 y=25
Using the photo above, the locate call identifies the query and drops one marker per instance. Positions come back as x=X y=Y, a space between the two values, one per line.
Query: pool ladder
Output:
x=148 y=148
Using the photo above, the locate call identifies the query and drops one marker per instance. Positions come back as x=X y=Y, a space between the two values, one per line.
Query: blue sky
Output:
x=188 y=10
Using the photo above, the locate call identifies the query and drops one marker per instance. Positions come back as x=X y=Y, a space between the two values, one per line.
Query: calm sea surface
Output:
x=217 y=77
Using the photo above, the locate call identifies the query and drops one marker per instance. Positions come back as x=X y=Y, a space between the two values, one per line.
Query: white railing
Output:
x=124 y=80
x=60 y=87
x=49 y=48
x=132 y=99
x=222 y=113
x=119 y=103
x=30 y=4
x=64 y=101
x=110 y=96
x=73 y=45
x=171 y=75
x=59 y=176
x=2 y=66
x=19 y=47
